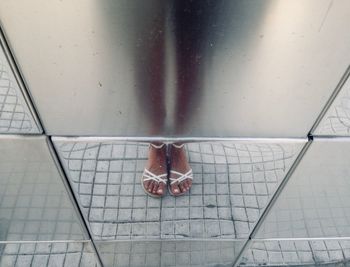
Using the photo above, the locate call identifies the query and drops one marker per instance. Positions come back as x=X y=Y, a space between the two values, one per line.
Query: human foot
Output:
x=180 y=171
x=154 y=178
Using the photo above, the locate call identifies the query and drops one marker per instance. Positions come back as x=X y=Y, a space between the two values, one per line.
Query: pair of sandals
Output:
x=163 y=178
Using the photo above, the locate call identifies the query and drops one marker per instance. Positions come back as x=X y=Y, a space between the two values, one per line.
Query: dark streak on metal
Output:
x=326 y=15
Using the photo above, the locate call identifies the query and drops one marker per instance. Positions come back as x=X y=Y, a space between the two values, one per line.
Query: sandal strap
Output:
x=183 y=176
x=157 y=146
x=157 y=178
x=178 y=146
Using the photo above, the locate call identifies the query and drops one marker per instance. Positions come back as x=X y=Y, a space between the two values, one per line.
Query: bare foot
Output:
x=156 y=165
x=179 y=167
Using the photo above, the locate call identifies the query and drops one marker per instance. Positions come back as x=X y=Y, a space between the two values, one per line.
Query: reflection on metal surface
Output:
x=15 y=116
x=316 y=199
x=297 y=252
x=34 y=204
x=63 y=254
x=172 y=68
x=337 y=119
x=232 y=185
x=169 y=253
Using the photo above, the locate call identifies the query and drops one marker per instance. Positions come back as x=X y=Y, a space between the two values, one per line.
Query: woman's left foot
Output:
x=180 y=171
x=154 y=177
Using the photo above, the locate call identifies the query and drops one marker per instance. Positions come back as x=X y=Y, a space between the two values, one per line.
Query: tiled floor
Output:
x=60 y=254
x=302 y=252
x=169 y=253
x=232 y=185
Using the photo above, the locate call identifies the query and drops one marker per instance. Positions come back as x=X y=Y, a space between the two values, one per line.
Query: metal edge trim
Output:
x=237 y=240
x=21 y=136
x=185 y=140
x=320 y=138
x=301 y=239
x=45 y=241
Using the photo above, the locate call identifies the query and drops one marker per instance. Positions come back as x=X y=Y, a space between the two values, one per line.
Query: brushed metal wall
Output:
x=179 y=68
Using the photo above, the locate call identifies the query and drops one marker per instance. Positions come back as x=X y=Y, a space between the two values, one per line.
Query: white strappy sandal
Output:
x=150 y=176
x=182 y=176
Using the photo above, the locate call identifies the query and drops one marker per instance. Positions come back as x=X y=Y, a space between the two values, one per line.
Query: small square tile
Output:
x=125 y=202
x=112 y=201
x=196 y=213
x=116 y=166
x=124 y=215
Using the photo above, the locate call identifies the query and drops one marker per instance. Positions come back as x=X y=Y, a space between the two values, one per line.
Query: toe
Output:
x=150 y=187
x=189 y=183
x=175 y=189
x=146 y=184
x=160 y=190
x=155 y=188
x=186 y=185
x=182 y=187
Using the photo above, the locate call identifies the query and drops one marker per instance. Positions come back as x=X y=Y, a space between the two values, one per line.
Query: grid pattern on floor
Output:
x=232 y=184
x=169 y=253
x=296 y=252
x=34 y=204
x=48 y=254
x=337 y=119
x=15 y=116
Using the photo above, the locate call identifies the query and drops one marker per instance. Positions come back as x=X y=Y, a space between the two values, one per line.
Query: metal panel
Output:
x=297 y=253
x=59 y=254
x=169 y=253
x=15 y=116
x=34 y=204
x=165 y=68
x=336 y=121
x=316 y=200
x=233 y=182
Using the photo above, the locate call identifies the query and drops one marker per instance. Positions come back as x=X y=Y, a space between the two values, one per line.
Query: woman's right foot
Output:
x=154 y=178
x=180 y=171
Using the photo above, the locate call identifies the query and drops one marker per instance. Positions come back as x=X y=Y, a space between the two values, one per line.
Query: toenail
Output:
x=176 y=190
x=160 y=191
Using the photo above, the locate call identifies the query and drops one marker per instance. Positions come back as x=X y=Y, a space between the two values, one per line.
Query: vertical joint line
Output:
x=330 y=101
x=28 y=98
x=272 y=201
x=71 y=195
